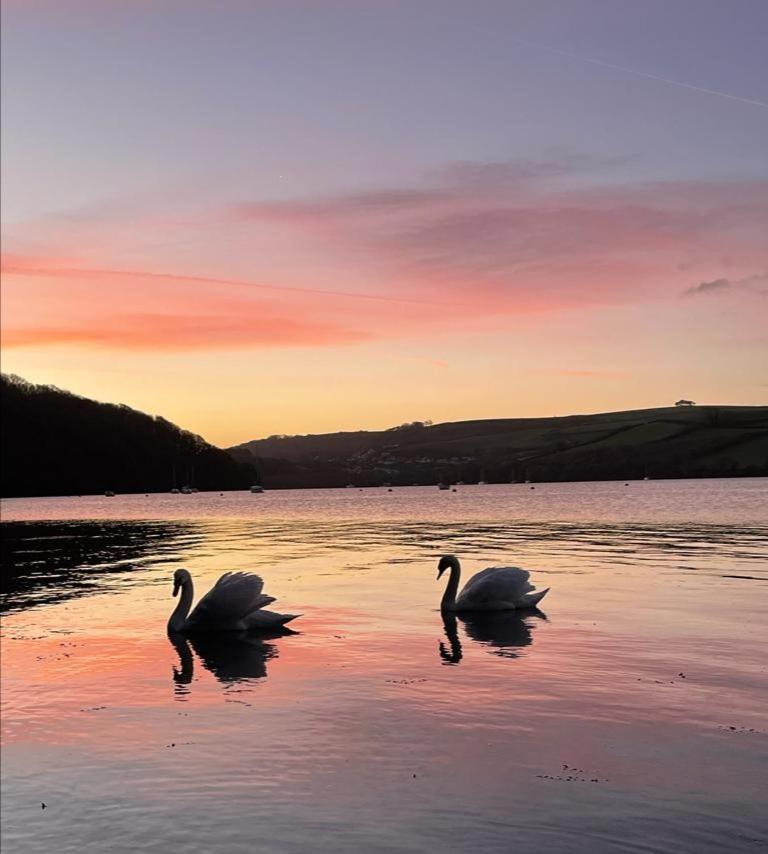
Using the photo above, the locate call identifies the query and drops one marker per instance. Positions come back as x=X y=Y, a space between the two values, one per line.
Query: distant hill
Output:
x=56 y=443
x=678 y=441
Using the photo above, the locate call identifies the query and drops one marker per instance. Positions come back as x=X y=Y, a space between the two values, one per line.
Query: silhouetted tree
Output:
x=56 y=443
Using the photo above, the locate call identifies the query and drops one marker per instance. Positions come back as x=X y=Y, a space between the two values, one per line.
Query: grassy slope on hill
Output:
x=698 y=441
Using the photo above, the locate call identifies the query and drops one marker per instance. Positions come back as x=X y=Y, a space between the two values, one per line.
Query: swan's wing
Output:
x=233 y=597
x=510 y=577
x=266 y=620
x=495 y=584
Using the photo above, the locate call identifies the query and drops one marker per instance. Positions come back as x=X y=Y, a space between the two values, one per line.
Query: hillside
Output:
x=56 y=443
x=696 y=441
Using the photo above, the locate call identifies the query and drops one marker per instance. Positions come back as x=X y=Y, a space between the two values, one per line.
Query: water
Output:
x=628 y=717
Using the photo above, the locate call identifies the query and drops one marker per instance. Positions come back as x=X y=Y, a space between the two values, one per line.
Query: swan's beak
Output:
x=439 y=573
x=176 y=586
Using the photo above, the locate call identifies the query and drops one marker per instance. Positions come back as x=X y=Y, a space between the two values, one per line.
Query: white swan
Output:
x=498 y=588
x=234 y=604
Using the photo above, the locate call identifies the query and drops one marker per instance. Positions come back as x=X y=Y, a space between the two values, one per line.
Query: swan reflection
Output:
x=452 y=653
x=230 y=657
x=505 y=631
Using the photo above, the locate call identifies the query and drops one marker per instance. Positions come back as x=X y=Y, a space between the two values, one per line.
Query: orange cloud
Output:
x=47 y=305
x=167 y=332
x=610 y=375
x=141 y=310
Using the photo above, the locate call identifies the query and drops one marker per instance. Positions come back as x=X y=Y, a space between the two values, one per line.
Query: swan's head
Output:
x=446 y=562
x=180 y=578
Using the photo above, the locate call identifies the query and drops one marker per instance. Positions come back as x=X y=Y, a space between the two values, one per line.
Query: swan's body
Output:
x=498 y=588
x=234 y=604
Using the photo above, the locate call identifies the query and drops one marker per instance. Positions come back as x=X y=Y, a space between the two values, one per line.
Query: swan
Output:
x=498 y=588
x=234 y=604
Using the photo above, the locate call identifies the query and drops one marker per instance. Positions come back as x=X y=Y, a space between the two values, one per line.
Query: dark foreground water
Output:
x=629 y=716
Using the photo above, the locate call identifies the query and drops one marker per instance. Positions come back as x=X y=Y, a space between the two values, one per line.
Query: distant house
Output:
x=685 y=403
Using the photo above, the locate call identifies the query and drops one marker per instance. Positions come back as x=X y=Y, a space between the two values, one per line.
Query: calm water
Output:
x=630 y=716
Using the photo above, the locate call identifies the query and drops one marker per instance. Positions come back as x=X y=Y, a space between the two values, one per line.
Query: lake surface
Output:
x=628 y=716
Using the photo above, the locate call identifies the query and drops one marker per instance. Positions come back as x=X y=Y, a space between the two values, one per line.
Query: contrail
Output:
x=50 y=272
x=645 y=74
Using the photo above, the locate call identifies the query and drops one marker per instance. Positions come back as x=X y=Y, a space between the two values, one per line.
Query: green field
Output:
x=696 y=441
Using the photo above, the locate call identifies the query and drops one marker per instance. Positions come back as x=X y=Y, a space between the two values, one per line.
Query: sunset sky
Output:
x=268 y=216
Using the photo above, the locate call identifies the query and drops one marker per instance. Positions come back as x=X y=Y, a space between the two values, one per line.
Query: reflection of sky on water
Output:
x=650 y=651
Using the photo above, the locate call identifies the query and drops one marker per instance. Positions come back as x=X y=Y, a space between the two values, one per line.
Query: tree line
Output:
x=57 y=443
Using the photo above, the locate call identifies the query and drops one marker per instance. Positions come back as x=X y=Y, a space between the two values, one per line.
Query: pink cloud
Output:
x=522 y=238
x=473 y=247
x=55 y=268
x=48 y=305
x=142 y=310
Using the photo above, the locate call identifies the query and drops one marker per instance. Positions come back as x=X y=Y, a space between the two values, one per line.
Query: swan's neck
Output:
x=179 y=616
x=448 y=601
